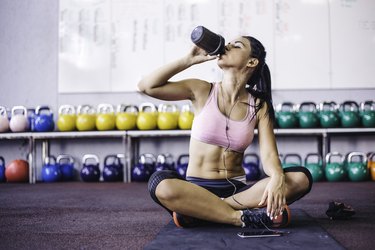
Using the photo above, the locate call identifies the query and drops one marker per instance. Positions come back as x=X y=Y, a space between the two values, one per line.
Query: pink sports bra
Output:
x=209 y=126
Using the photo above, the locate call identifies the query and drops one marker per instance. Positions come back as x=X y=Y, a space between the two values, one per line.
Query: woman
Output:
x=226 y=114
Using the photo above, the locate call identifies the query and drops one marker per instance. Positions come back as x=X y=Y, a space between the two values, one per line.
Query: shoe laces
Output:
x=256 y=218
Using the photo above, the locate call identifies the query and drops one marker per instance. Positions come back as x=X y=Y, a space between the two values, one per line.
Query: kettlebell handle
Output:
x=251 y=155
x=310 y=155
x=65 y=157
x=90 y=156
x=368 y=105
x=182 y=157
x=2 y=161
x=167 y=108
x=105 y=108
x=149 y=105
x=121 y=108
x=353 y=106
x=331 y=154
x=40 y=108
x=311 y=105
x=47 y=160
x=16 y=108
x=331 y=105
x=85 y=109
x=291 y=106
x=3 y=111
x=143 y=158
x=362 y=155
x=115 y=158
x=292 y=155
x=186 y=108
x=67 y=109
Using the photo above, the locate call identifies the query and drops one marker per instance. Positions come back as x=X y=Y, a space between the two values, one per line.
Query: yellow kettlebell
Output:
x=67 y=118
x=126 y=117
x=147 y=117
x=105 y=118
x=186 y=117
x=167 y=118
x=85 y=118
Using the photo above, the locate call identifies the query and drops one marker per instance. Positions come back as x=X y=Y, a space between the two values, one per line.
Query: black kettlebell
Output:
x=112 y=170
x=90 y=172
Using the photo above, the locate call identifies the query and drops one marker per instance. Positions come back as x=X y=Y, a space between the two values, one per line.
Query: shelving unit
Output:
x=131 y=140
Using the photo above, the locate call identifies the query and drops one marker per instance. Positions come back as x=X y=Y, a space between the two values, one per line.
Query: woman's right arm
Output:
x=158 y=85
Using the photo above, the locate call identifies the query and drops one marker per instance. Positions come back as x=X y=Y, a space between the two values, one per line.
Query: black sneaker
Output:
x=257 y=218
x=337 y=210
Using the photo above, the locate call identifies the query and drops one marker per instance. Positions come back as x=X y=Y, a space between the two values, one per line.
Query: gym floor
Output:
x=80 y=215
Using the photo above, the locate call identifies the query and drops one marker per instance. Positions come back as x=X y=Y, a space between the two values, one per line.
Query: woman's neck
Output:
x=233 y=87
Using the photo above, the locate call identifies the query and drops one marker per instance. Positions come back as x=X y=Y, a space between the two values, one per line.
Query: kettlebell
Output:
x=349 y=114
x=367 y=113
x=286 y=115
x=19 y=121
x=86 y=118
x=307 y=115
x=4 y=122
x=142 y=171
x=335 y=170
x=164 y=162
x=296 y=162
x=67 y=118
x=50 y=170
x=126 y=117
x=167 y=117
x=112 y=170
x=371 y=164
x=105 y=119
x=2 y=170
x=316 y=167
x=43 y=121
x=357 y=170
x=186 y=117
x=328 y=115
x=31 y=118
x=66 y=165
x=250 y=163
x=90 y=172
x=182 y=165
x=147 y=117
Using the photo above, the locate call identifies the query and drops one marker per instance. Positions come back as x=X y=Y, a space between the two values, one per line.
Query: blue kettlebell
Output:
x=90 y=172
x=50 y=170
x=31 y=117
x=182 y=165
x=43 y=120
x=2 y=170
x=112 y=170
x=66 y=164
x=164 y=162
x=250 y=164
x=144 y=168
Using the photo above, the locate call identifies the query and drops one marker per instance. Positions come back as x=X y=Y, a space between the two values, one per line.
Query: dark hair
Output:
x=259 y=84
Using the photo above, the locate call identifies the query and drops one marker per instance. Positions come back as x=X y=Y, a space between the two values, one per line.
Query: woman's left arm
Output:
x=274 y=194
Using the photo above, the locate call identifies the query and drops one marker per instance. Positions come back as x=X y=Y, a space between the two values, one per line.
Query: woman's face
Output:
x=237 y=54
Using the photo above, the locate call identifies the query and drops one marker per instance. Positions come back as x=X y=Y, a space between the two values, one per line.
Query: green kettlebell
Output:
x=286 y=115
x=335 y=171
x=357 y=170
x=296 y=162
x=367 y=113
x=315 y=168
x=328 y=115
x=349 y=114
x=307 y=115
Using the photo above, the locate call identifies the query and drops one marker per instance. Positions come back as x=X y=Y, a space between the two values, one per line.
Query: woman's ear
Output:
x=253 y=62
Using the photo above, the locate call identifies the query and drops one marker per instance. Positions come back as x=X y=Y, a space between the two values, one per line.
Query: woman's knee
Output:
x=300 y=181
x=159 y=184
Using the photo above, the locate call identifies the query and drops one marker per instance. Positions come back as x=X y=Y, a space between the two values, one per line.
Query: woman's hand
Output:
x=198 y=55
x=274 y=196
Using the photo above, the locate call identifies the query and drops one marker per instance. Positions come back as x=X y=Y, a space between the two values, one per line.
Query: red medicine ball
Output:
x=17 y=171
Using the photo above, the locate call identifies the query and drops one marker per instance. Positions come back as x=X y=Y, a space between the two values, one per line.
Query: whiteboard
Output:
x=109 y=45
